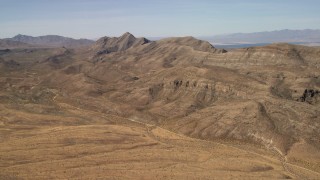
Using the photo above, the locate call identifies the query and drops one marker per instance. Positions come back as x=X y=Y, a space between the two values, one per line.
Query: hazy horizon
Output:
x=159 y=37
x=97 y=18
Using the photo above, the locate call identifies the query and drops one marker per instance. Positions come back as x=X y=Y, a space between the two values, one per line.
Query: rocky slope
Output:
x=107 y=45
x=250 y=94
x=274 y=54
x=190 y=41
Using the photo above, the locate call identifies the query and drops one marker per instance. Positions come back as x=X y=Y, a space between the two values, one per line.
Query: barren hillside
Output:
x=178 y=108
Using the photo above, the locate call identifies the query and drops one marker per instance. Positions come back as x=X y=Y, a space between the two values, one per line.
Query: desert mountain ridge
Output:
x=131 y=103
x=308 y=37
x=52 y=41
x=114 y=44
x=10 y=44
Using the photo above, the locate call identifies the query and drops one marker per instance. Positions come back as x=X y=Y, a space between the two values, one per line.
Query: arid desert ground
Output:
x=176 y=108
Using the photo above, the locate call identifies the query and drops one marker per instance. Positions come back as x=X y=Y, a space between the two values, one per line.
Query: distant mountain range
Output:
x=229 y=41
x=307 y=37
x=9 y=44
x=52 y=41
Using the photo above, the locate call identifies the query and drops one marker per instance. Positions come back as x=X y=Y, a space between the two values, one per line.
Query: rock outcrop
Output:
x=310 y=96
x=108 y=45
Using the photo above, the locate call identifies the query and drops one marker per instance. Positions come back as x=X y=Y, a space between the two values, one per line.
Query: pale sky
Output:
x=154 y=18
